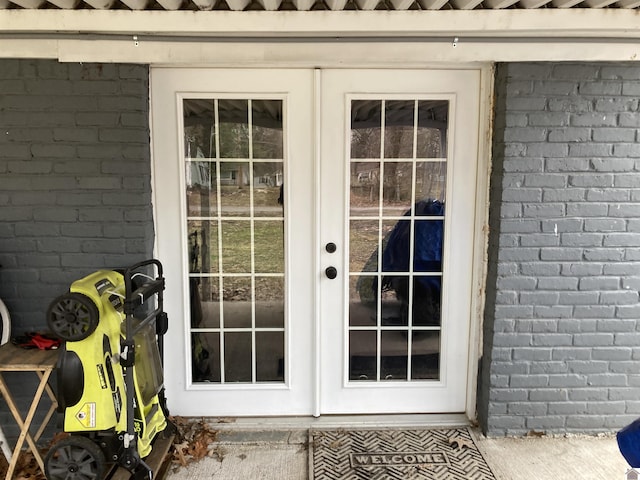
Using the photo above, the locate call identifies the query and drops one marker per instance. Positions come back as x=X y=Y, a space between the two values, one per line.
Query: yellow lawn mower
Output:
x=109 y=373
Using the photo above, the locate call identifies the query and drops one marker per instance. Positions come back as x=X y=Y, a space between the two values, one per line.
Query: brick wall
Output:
x=75 y=177
x=562 y=335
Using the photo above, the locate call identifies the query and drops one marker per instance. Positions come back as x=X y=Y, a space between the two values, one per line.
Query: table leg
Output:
x=52 y=408
x=24 y=425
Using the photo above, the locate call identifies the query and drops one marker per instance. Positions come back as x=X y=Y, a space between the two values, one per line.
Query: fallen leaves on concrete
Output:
x=194 y=441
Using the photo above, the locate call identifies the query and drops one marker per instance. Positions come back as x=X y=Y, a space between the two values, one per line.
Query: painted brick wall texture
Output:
x=74 y=177
x=562 y=335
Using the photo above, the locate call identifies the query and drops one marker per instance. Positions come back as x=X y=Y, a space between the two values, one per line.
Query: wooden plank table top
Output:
x=17 y=359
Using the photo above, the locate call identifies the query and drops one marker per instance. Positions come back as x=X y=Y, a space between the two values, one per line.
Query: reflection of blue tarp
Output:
x=427 y=255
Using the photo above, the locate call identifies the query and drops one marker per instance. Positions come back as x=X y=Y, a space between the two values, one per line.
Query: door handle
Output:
x=331 y=272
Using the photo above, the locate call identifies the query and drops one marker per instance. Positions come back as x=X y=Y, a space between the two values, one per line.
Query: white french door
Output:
x=398 y=176
x=316 y=230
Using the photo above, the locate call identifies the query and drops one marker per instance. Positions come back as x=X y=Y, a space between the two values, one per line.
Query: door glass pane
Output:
x=396 y=238
x=205 y=360
x=199 y=128
x=398 y=183
x=363 y=355
x=237 y=357
x=234 y=173
x=365 y=189
x=266 y=118
x=270 y=356
x=235 y=189
x=366 y=128
x=394 y=355
x=398 y=128
x=433 y=117
x=233 y=123
x=425 y=355
x=202 y=198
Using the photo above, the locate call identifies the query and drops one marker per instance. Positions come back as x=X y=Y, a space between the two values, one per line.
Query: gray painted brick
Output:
x=522 y=195
x=558 y=283
x=539 y=298
x=619 y=298
x=599 y=283
x=624 y=210
x=570 y=134
x=623 y=394
x=616 y=105
x=614 y=134
x=564 y=195
x=546 y=422
x=539 y=240
x=616 y=325
x=613 y=164
x=622 y=239
x=588 y=394
x=540 y=269
x=626 y=150
x=604 y=225
x=573 y=104
x=568 y=380
x=536 y=354
x=604 y=254
x=590 y=150
x=555 y=311
x=524 y=165
x=552 y=340
x=567 y=165
x=608 y=380
x=587 y=210
x=627 y=339
x=545 y=180
x=529 y=381
x=543 y=210
x=594 y=311
x=519 y=226
x=581 y=239
x=561 y=225
x=591 y=180
x=568 y=408
x=563 y=254
x=548 y=395
x=628 y=311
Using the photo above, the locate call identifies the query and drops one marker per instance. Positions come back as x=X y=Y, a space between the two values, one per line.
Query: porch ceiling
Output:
x=315 y=5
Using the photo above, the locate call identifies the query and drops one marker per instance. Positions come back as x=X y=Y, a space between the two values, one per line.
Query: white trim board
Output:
x=338 y=54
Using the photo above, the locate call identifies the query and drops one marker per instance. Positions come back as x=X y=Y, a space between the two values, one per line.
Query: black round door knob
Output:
x=331 y=272
x=330 y=247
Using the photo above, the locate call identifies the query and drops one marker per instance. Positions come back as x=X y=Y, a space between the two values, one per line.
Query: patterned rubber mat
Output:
x=434 y=454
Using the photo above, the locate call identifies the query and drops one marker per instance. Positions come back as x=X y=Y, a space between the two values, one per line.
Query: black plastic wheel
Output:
x=73 y=316
x=75 y=458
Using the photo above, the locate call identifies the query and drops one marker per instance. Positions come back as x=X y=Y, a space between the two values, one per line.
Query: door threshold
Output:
x=440 y=420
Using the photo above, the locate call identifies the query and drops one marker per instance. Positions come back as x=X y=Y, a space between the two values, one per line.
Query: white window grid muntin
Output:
x=220 y=274
x=411 y=275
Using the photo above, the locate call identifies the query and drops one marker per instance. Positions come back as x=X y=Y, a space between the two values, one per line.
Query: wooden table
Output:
x=42 y=363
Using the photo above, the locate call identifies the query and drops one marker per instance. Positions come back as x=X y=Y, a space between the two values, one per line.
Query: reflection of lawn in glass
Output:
x=236 y=247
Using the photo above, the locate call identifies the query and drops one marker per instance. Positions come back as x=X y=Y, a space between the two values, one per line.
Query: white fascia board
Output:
x=396 y=54
x=511 y=23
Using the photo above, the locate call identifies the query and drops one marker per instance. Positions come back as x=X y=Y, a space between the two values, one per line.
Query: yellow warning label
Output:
x=87 y=415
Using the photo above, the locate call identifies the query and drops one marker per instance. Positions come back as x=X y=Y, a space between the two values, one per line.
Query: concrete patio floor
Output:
x=283 y=455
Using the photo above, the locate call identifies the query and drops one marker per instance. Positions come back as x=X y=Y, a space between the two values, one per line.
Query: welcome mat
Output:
x=434 y=454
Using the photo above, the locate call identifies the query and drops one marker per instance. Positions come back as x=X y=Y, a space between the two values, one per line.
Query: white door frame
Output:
x=480 y=234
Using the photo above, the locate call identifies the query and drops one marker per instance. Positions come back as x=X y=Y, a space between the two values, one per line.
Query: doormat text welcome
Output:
x=433 y=454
